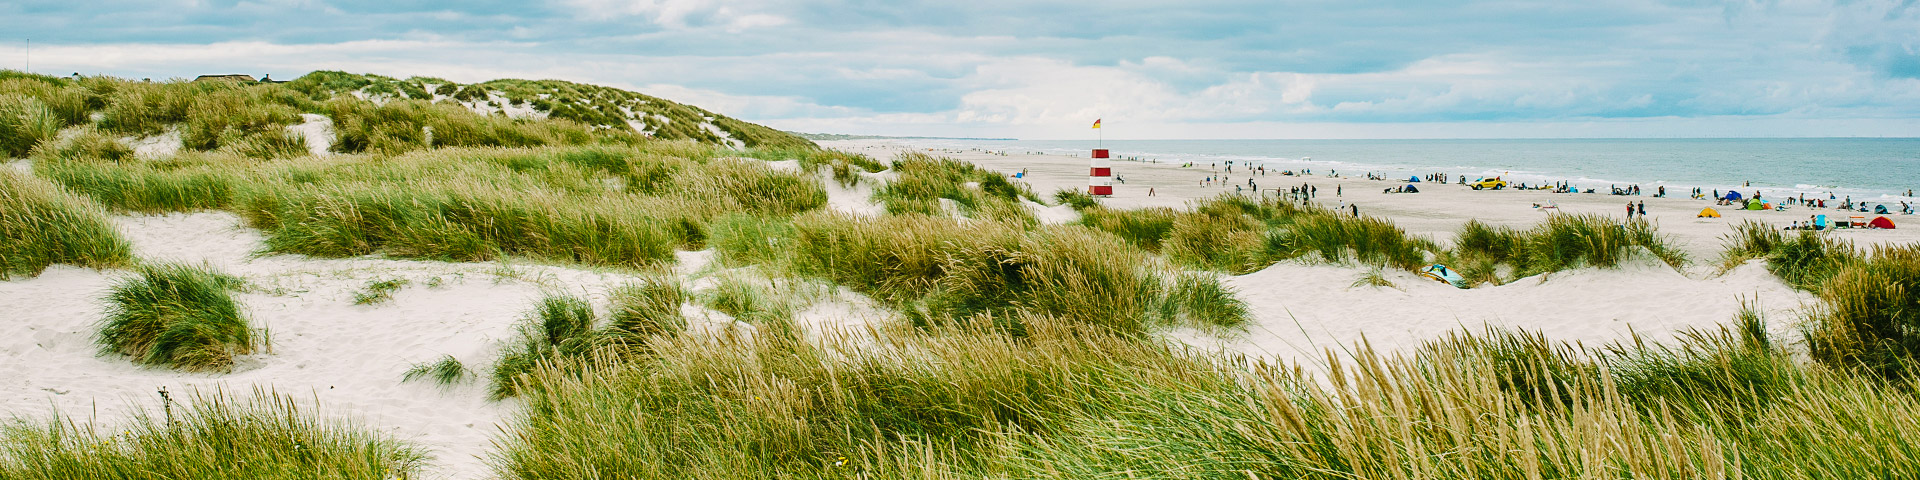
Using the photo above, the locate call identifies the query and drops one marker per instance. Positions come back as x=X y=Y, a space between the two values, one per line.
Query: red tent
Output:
x=1880 y=222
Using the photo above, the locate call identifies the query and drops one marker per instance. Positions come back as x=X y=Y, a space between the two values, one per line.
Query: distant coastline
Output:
x=836 y=136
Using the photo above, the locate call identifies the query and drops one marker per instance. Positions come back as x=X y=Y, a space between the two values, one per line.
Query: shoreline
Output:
x=1437 y=212
x=1392 y=150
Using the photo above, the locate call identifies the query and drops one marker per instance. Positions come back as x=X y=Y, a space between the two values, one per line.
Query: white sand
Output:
x=856 y=200
x=349 y=358
x=1302 y=308
x=159 y=146
x=317 y=130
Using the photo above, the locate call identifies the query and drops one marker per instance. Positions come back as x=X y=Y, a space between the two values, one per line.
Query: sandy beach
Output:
x=350 y=358
x=1437 y=211
x=1302 y=308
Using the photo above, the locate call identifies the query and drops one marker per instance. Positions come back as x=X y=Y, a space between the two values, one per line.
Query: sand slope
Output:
x=1300 y=310
x=348 y=357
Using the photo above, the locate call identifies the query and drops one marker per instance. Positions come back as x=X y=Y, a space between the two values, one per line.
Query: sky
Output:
x=1194 y=69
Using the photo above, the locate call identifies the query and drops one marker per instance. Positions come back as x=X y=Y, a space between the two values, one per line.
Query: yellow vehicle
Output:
x=1494 y=183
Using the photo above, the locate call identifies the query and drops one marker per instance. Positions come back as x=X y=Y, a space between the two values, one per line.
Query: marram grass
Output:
x=1077 y=402
x=176 y=316
x=41 y=225
x=214 y=436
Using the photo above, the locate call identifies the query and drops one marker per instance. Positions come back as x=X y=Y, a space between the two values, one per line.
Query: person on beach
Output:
x=1149 y=191
x=1629 y=211
x=1356 y=210
x=1643 y=209
x=1336 y=190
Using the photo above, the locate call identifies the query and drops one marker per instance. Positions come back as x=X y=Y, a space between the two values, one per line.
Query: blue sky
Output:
x=1039 y=69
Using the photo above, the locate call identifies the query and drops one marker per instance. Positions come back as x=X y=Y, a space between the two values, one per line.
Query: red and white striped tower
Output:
x=1100 y=178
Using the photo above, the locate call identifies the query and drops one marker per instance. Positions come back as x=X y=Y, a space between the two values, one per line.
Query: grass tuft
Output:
x=446 y=371
x=41 y=225
x=1562 y=242
x=1869 y=321
x=378 y=291
x=649 y=308
x=176 y=316
x=215 y=436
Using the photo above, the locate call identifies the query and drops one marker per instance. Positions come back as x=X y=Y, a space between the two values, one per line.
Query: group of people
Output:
x=1637 y=209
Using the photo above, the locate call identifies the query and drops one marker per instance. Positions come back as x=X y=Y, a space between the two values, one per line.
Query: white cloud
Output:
x=731 y=15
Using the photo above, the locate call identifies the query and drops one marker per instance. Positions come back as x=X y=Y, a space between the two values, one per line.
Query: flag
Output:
x=1096 y=123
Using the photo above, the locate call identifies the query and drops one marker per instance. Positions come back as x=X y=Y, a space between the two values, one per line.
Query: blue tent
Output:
x=1413 y=179
x=1732 y=196
x=1444 y=274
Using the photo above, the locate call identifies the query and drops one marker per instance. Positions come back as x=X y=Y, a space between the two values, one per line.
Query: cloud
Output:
x=1040 y=69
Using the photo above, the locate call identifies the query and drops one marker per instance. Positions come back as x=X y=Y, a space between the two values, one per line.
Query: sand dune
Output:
x=350 y=358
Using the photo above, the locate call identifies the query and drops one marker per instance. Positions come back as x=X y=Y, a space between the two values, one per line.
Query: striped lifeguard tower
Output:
x=1100 y=177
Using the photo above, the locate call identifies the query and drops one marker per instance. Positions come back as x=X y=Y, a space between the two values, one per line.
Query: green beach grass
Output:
x=211 y=436
x=41 y=225
x=1020 y=350
x=177 y=316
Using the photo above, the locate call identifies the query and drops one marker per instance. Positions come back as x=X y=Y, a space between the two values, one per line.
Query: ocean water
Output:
x=1872 y=169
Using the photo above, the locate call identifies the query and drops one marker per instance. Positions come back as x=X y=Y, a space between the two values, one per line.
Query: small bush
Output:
x=177 y=316
x=215 y=436
x=41 y=225
x=446 y=371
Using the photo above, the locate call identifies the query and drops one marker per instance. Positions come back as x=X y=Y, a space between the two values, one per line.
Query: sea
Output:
x=1865 y=169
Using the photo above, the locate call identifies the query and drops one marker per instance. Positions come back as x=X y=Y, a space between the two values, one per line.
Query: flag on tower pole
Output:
x=1102 y=138
x=1096 y=123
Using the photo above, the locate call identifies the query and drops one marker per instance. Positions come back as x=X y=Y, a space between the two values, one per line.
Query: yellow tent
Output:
x=1709 y=213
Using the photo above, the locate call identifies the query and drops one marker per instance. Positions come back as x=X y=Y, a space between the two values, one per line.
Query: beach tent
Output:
x=1708 y=212
x=1881 y=222
x=1413 y=179
x=1732 y=196
x=1411 y=189
x=1444 y=274
x=1820 y=222
x=1879 y=209
x=1756 y=204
